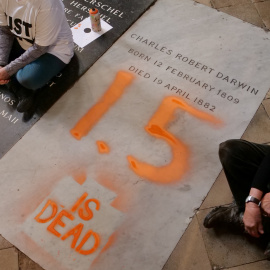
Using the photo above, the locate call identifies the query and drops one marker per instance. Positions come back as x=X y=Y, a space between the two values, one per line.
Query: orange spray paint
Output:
x=180 y=152
x=103 y=148
x=115 y=91
x=75 y=232
x=54 y=212
x=79 y=202
x=124 y=197
x=80 y=177
x=84 y=240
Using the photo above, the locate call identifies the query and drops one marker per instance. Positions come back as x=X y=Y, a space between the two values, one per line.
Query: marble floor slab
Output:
x=134 y=142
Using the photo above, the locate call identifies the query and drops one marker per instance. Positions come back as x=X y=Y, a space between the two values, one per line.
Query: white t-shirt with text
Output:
x=39 y=21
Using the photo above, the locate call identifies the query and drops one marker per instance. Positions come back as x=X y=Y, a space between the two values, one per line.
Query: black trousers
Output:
x=240 y=160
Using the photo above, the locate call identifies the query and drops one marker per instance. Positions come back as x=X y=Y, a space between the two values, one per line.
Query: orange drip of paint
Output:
x=103 y=148
x=115 y=91
x=79 y=25
x=180 y=152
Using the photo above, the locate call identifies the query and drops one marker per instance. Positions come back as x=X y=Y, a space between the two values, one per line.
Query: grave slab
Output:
x=116 y=18
x=142 y=126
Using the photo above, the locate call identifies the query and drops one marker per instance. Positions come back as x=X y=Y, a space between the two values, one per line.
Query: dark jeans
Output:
x=240 y=160
x=36 y=74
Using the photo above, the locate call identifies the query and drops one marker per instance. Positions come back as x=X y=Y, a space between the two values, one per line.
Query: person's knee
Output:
x=27 y=81
x=227 y=150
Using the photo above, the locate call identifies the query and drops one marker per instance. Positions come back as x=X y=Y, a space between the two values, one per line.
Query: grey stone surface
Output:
x=9 y=259
x=246 y=12
x=264 y=11
x=262 y=265
x=266 y=105
x=259 y=128
x=4 y=243
x=219 y=194
x=225 y=247
x=25 y=263
x=227 y=3
x=190 y=252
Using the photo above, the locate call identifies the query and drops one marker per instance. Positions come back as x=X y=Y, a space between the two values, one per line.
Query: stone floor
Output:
x=199 y=248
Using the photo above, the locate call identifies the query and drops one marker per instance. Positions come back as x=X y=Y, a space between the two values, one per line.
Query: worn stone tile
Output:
x=262 y=265
x=9 y=259
x=204 y=2
x=266 y=105
x=185 y=255
x=267 y=96
x=264 y=11
x=228 y=3
x=26 y=263
x=259 y=128
x=219 y=194
x=257 y=1
x=4 y=243
x=245 y=12
x=226 y=249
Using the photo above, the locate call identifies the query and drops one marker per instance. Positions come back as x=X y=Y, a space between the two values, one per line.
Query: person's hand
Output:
x=253 y=220
x=4 y=76
x=265 y=205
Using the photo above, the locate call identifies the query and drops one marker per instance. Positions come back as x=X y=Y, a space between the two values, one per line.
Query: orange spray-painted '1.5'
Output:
x=115 y=91
x=156 y=127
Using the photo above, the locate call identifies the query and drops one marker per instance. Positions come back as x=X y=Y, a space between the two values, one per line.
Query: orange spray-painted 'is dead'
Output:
x=56 y=216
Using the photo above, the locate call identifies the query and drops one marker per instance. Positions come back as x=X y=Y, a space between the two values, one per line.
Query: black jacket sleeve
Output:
x=262 y=177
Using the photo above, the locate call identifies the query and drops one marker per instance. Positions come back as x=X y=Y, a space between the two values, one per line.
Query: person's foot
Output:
x=28 y=115
x=224 y=215
x=25 y=97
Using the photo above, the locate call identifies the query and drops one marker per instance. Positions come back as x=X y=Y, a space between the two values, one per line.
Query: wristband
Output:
x=253 y=199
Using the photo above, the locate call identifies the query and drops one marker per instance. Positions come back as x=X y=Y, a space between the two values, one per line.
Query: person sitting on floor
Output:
x=247 y=169
x=36 y=43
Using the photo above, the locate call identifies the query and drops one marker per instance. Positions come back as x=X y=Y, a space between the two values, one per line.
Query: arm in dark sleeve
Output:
x=262 y=177
x=27 y=57
x=6 y=41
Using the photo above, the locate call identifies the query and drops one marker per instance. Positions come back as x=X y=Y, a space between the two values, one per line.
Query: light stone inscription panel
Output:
x=139 y=134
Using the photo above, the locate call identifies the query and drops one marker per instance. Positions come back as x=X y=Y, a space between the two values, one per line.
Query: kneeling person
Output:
x=35 y=45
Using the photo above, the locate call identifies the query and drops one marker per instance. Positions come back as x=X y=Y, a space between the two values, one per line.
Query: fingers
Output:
x=252 y=232
x=260 y=229
x=255 y=231
x=2 y=82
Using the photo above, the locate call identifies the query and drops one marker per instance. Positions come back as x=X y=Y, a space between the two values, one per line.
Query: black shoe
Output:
x=224 y=216
x=25 y=96
x=25 y=103
x=28 y=115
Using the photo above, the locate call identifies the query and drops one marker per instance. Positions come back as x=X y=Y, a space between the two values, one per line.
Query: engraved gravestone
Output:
x=116 y=18
x=149 y=127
